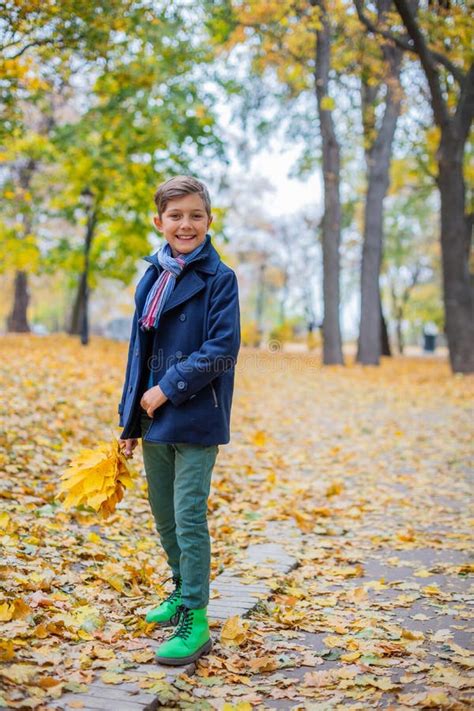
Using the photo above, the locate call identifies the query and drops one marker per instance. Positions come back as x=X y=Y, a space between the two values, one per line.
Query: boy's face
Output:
x=184 y=223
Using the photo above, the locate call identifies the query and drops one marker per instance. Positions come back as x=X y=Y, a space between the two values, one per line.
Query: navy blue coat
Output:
x=192 y=354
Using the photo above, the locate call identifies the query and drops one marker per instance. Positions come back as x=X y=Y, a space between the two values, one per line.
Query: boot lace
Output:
x=177 y=590
x=185 y=622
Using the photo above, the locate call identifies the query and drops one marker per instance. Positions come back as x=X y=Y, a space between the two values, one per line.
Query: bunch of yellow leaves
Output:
x=96 y=478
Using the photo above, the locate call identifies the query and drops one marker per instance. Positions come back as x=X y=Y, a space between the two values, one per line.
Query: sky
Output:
x=291 y=194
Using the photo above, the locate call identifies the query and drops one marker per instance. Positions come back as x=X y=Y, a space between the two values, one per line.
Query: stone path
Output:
x=231 y=594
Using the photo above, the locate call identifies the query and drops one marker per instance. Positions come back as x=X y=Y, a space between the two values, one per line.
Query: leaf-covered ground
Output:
x=367 y=470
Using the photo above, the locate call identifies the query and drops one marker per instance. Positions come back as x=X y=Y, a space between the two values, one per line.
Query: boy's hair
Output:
x=179 y=186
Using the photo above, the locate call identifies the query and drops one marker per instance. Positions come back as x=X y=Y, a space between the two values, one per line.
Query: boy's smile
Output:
x=184 y=223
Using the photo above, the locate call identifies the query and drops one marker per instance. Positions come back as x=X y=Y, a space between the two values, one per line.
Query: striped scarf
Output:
x=164 y=285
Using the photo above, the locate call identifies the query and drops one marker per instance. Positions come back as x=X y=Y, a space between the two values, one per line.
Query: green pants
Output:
x=179 y=481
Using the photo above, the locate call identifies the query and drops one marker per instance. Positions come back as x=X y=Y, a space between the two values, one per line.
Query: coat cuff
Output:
x=174 y=386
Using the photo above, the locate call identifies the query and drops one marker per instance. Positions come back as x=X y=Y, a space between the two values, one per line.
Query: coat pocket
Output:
x=215 y=401
x=214 y=395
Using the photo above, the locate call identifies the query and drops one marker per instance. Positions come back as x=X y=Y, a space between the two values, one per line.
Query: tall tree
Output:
x=378 y=142
x=292 y=41
x=331 y=222
x=441 y=41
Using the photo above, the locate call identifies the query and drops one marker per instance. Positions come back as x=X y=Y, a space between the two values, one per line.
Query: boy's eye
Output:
x=176 y=216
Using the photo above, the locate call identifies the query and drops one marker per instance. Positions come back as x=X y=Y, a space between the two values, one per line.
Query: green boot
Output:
x=166 y=614
x=190 y=640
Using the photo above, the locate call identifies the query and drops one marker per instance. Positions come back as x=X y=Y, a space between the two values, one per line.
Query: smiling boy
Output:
x=177 y=397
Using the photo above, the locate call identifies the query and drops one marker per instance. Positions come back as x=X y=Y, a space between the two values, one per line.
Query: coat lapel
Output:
x=186 y=287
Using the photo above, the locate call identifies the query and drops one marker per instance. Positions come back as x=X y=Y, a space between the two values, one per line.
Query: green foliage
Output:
x=139 y=114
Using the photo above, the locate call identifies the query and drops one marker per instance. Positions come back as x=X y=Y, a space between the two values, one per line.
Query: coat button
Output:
x=181 y=385
x=136 y=352
x=182 y=317
x=179 y=354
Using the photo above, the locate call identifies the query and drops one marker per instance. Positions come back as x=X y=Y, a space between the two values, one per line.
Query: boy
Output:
x=177 y=397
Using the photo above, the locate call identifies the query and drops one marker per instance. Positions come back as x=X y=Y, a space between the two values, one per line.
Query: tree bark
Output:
x=378 y=157
x=456 y=233
x=80 y=313
x=385 y=340
x=17 y=321
x=77 y=316
x=331 y=223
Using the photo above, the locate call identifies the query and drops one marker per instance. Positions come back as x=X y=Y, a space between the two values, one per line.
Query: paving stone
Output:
x=237 y=579
x=229 y=601
x=231 y=593
x=222 y=613
x=170 y=672
x=91 y=703
x=225 y=612
x=240 y=587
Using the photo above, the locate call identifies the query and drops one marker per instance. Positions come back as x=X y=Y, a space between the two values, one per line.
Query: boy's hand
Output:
x=127 y=446
x=152 y=399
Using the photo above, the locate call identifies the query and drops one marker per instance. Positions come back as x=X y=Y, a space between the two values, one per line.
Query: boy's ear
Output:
x=210 y=218
x=157 y=222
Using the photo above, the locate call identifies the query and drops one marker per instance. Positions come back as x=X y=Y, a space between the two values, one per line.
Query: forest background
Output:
x=101 y=102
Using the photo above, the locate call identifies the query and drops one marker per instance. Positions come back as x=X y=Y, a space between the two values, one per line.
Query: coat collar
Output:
x=206 y=261
x=189 y=282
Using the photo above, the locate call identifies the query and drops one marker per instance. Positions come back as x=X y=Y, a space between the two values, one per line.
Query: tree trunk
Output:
x=397 y=312
x=17 y=321
x=78 y=310
x=385 y=343
x=456 y=226
x=80 y=313
x=331 y=223
x=400 y=339
x=456 y=233
x=378 y=166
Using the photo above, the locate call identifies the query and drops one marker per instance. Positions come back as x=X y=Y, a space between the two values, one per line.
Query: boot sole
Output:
x=178 y=661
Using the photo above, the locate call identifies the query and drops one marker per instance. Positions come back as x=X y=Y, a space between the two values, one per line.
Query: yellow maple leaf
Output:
x=96 y=478
x=234 y=631
x=261 y=664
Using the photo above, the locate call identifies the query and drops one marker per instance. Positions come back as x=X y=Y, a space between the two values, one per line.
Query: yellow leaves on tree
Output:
x=96 y=478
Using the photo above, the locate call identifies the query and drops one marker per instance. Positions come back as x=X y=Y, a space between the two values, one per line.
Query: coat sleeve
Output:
x=219 y=351
x=129 y=363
